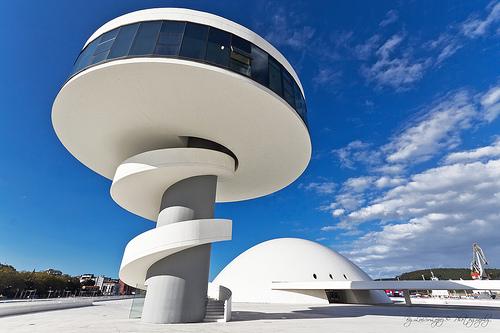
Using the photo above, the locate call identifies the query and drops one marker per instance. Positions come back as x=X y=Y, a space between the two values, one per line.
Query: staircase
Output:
x=218 y=303
x=215 y=310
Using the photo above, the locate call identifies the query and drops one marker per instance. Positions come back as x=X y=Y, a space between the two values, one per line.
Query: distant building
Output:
x=86 y=277
x=52 y=271
x=110 y=287
x=107 y=286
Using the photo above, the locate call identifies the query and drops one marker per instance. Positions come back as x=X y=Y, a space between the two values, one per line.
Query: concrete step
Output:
x=214 y=317
x=214 y=310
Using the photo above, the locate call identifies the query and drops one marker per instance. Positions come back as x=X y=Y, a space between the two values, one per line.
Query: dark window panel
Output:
x=170 y=39
x=239 y=67
x=218 y=47
x=259 y=66
x=241 y=46
x=145 y=39
x=109 y=35
x=194 y=43
x=99 y=57
x=300 y=105
x=86 y=56
x=123 y=41
x=104 y=46
x=288 y=90
x=275 y=77
x=240 y=57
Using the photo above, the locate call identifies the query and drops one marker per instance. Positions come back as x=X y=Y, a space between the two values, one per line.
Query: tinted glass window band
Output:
x=196 y=42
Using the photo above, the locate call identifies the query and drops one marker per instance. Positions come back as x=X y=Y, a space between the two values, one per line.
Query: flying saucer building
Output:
x=182 y=109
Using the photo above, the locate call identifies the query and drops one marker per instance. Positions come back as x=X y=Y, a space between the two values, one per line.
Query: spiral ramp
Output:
x=154 y=260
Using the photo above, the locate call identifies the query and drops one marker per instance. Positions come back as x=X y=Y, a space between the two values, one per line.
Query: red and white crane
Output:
x=478 y=264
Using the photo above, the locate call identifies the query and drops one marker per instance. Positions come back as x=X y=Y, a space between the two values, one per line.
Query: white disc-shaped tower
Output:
x=182 y=109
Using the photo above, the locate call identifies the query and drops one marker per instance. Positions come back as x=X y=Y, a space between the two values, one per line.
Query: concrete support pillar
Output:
x=177 y=284
x=407 y=297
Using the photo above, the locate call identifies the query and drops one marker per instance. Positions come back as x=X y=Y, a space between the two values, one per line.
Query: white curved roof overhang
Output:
x=189 y=15
x=115 y=110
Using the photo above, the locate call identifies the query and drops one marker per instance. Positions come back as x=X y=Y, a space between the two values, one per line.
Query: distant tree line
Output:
x=13 y=283
x=447 y=273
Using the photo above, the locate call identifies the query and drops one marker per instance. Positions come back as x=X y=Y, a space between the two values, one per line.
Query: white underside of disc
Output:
x=113 y=111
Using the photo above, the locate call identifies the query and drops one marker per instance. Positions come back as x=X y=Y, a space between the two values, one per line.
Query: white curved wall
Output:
x=249 y=275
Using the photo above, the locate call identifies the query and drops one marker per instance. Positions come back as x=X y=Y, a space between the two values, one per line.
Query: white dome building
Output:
x=250 y=275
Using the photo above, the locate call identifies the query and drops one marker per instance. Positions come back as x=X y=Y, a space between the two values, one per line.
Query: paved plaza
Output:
x=112 y=316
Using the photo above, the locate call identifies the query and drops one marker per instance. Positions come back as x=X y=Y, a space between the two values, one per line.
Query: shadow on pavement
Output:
x=347 y=311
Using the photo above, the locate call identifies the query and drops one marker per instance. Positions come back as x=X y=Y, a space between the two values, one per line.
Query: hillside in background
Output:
x=447 y=273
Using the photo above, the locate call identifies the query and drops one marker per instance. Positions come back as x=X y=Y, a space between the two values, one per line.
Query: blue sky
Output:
x=404 y=105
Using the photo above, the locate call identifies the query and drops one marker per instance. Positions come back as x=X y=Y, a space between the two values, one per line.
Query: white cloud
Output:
x=447 y=44
x=385 y=181
x=398 y=72
x=354 y=153
x=365 y=51
x=432 y=217
x=439 y=129
x=475 y=27
x=338 y=212
x=432 y=220
x=482 y=153
x=385 y=50
x=391 y=169
x=432 y=189
x=348 y=200
x=396 y=66
x=320 y=187
x=390 y=17
x=358 y=184
x=285 y=31
x=325 y=76
x=490 y=102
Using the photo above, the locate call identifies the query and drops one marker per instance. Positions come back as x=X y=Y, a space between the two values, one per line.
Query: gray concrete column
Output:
x=177 y=284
